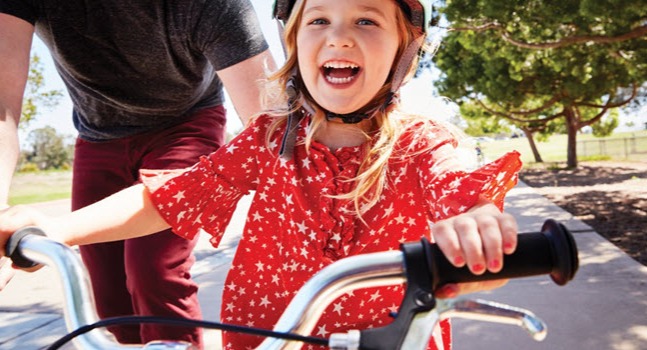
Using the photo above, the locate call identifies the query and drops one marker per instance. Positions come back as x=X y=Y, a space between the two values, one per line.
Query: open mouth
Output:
x=339 y=72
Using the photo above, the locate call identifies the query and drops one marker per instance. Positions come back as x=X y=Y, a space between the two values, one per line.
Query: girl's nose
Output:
x=340 y=37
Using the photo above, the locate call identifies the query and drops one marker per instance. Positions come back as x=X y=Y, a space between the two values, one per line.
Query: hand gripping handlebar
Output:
x=552 y=251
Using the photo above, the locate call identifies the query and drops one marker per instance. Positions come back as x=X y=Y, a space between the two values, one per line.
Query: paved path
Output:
x=605 y=307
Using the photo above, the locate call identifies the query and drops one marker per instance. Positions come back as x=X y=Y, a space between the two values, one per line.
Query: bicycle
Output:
x=420 y=265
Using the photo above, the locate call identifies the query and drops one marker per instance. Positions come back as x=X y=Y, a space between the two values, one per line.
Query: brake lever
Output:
x=423 y=322
x=487 y=311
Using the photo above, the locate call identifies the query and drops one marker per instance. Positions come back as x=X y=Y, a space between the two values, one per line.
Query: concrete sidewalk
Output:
x=604 y=307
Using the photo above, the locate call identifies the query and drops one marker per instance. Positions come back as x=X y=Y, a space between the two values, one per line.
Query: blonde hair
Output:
x=390 y=123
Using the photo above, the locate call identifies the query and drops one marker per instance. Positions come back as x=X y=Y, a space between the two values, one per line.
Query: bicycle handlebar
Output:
x=29 y=247
x=552 y=251
x=421 y=265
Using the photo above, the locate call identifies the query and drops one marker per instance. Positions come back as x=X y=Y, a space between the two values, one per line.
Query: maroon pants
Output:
x=147 y=275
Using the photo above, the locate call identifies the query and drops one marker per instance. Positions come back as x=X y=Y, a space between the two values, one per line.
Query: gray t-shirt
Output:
x=134 y=66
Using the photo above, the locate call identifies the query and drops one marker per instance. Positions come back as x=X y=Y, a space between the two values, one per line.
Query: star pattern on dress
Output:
x=294 y=228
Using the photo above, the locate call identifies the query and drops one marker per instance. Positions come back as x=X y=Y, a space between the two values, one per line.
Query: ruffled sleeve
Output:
x=193 y=199
x=450 y=190
x=204 y=197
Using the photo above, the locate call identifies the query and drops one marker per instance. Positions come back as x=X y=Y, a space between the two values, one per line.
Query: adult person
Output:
x=146 y=81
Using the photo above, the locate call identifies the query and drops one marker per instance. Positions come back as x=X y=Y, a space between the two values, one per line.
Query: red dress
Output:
x=294 y=229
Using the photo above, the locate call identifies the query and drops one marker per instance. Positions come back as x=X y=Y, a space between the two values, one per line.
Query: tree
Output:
x=545 y=64
x=34 y=97
x=606 y=126
x=47 y=149
x=480 y=122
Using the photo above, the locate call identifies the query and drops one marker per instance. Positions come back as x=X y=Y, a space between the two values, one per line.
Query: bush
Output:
x=28 y=167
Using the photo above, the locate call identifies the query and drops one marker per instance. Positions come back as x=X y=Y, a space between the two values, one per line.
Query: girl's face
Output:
x=345 y=50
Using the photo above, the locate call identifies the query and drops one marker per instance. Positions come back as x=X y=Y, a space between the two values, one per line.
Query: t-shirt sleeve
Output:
x=204 y=196
x=229 y=32
x=450 y=190
x=23 y=9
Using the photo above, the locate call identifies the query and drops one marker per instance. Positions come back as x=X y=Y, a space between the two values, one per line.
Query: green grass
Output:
x=41 y=186
x=554 y=150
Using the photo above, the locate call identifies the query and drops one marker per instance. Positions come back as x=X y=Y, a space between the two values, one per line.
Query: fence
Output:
x=615 y=147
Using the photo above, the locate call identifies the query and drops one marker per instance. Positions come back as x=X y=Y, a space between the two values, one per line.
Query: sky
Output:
x=417 y=94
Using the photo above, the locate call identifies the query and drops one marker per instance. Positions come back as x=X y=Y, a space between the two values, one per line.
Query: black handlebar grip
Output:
x=13 y=251
x=552 y=251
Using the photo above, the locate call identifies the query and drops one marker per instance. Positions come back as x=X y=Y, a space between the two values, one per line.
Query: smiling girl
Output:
x=337 y=170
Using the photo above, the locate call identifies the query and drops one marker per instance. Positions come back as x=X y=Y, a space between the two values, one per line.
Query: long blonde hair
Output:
x=390 y=123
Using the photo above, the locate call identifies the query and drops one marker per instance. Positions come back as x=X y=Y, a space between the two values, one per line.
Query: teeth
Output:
x=339 y=80
x=339 y=65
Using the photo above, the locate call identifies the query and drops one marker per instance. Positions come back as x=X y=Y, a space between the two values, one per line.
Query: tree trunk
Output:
x=571 y=146
x=533 y=146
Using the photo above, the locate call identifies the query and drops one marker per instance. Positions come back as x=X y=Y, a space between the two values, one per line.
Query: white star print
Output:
x=322 y=331
x=257 y=216
x=265 y=301
x=337 y=308
x=179 y=196
x=388 y=211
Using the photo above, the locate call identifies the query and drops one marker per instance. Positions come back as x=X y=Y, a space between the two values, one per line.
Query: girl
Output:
x=341 y=172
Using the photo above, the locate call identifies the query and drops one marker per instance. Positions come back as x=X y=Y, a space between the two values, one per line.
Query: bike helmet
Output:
x=418 y=12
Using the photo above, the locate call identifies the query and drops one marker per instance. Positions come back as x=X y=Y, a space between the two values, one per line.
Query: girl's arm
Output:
x=125 y=214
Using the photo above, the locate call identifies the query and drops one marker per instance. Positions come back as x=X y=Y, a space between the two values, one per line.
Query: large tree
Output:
x=538 y=63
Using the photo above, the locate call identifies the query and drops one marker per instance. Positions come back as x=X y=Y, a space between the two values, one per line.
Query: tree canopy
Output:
x=541 y=63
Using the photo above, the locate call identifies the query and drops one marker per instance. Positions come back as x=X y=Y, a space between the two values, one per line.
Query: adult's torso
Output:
x=134 y=66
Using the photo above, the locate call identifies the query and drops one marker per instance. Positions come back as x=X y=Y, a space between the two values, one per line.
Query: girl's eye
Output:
x=366 y=22
x=319 y=21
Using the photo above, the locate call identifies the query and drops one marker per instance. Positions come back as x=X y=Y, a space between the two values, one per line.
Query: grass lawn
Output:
x=554 y=150
x=40 y=187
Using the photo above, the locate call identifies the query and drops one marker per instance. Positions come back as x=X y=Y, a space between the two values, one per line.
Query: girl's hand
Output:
x=478 y=238
x=11 y=220
x=14 y=218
